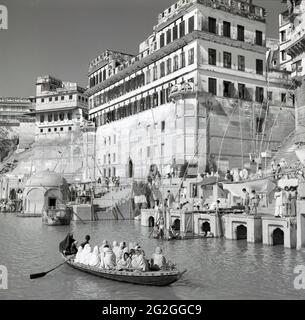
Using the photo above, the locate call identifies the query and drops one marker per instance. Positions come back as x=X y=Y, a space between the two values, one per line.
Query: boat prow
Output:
x=148 y=278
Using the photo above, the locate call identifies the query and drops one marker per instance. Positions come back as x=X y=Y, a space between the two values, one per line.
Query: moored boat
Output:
x=57 y=216
x=148 y=278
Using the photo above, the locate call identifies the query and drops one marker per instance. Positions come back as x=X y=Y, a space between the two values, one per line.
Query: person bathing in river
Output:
x=87 y=239
x=68 y=245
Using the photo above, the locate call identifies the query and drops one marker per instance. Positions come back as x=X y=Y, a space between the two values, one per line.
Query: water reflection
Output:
x=217 y=268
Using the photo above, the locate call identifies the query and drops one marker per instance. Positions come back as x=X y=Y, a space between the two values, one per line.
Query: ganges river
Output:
x=217 y=268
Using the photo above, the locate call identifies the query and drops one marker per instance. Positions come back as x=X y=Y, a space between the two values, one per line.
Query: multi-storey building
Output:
x=292 y=31
x=197 y=92
x=12 y=109
x=59 y=106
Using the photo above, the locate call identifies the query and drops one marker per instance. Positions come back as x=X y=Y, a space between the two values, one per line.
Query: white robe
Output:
x=79 y=254
x=94 y=259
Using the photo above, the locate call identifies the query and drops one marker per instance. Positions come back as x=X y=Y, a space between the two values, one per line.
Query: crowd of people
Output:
x=117 y=256
x=285 y=201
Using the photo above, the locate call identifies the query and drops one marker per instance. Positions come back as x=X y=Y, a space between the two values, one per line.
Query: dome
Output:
x=46 y=179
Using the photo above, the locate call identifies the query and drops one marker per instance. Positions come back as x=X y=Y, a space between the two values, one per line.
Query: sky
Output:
x=61 y=37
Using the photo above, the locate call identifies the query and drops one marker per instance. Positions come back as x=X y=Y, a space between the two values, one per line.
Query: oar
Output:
x=42 y=274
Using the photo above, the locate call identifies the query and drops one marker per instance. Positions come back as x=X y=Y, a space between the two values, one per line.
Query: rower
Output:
x=68 y=245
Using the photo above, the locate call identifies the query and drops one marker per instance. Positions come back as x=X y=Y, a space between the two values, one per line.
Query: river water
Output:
x=217 y=268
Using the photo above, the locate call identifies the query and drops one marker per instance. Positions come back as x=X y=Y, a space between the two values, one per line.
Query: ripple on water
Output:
x=217 y=268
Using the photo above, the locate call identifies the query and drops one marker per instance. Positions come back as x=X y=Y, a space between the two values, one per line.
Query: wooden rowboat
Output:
x=148 y=278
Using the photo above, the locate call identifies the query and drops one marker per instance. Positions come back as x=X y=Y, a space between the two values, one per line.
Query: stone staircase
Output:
x=114 y=204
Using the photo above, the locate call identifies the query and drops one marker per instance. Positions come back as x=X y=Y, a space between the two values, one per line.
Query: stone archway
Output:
x=241 y=232
x=278 y=237
x=206 y=227
x=151 y=221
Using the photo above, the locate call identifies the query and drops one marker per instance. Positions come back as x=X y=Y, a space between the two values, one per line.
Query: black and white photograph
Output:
x=152 y=150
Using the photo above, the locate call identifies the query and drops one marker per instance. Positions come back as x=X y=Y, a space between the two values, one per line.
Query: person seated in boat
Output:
x=68 y=245
x=109 y=258
x=116 y=250
x=124 y=263
x=87 y=239
x=158 y=260
x=104 y=244
x=172 y=232
x=94 y=260
x=86 y=254
x=79 y=254
x=138 y=262
x=121 y=250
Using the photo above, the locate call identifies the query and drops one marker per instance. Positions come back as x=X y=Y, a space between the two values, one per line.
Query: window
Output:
x=162 y=149
x=162 y=69
x=169 y=65
x=191 y=23
x=69 y=115
x=50 y=98
x=113 y=172
x=283 y=97
x=258 y=38
x=176 y=63
x=70 y=96
x=227 y=57
x=182 y=28
x=61 y=129
x=168 y=36
x=212 y=57
x=148 y=152
x=155 y=73
x=283 y=55
x=283 y=35
x=41 y=130
x=259 y=125
x=213 y=86
x=148 y=76
x=227 y=29
x=269 y=95
x=42 y=100
x=191 y=56
x=259 y=94
x=62 y=97
x=61 y=116
x=55 y=117
x=241 y=63
x=162 y=126
x=228 y=89
x=56 y=98
x=55 y=129
x=70 y=128
x=259 y=66
x=240 y=33
x=182 y=57
x=50 y=117
x=49 y=130
x=42 y=118
x=212 y=25
x=241 y=91
x=175 y=33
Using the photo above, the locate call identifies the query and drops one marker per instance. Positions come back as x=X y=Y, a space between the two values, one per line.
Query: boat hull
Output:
x=149 y=278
